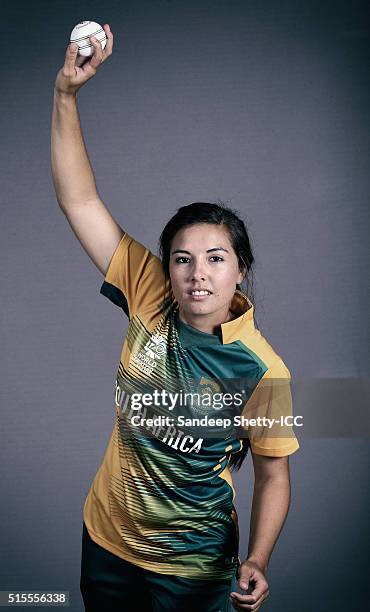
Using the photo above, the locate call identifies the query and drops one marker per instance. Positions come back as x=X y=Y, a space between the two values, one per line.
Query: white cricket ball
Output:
x=81 y=33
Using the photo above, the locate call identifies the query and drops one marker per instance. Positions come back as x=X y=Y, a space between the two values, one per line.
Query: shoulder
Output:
x=266 y=353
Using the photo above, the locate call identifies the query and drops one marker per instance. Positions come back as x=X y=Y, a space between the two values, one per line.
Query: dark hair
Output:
x=218 y=214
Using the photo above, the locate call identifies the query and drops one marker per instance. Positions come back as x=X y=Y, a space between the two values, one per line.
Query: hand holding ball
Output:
x=81 y=36
x=84 y=56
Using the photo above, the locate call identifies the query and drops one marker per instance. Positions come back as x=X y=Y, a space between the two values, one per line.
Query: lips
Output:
x=199 y=295
x=200 y=292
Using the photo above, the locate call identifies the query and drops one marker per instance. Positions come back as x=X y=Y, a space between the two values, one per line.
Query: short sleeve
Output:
x=270 y=409
x=135 y=280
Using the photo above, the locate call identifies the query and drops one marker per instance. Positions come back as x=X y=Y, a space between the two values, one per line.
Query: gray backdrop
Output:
x=264 y=105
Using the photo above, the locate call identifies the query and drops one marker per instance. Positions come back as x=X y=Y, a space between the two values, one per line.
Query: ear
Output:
x=240 y=277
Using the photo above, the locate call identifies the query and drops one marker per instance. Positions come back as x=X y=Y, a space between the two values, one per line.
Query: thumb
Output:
x=245 y=574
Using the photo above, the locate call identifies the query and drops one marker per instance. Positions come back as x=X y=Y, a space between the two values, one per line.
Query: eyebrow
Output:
x=208 y=251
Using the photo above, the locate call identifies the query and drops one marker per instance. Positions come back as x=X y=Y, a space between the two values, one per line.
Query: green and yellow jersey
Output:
x=163 y=496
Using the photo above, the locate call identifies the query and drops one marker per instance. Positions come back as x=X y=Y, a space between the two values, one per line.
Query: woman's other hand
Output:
x=252 y=580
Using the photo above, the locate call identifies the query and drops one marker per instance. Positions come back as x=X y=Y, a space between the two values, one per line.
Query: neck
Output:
x=209 y=324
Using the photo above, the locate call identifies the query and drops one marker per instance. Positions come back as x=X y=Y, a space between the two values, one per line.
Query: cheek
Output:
x=228 y=281
x=175 y=277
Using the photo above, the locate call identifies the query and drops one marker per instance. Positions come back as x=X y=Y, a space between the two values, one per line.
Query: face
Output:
x=204 y=271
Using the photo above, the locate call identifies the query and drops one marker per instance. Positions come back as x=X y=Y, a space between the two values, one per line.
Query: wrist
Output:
x=60 y=94
x=259 y=561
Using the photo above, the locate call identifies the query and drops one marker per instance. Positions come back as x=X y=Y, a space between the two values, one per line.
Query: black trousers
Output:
x=111 y=584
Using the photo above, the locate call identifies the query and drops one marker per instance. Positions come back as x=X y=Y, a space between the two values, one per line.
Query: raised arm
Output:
x=73 y=177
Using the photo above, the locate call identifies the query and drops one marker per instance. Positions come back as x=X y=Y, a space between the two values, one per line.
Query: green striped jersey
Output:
x=163 y=497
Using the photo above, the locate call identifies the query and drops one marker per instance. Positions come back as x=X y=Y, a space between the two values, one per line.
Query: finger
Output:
x=248 y=602
x=81 y=60
x=243 y=599
x=245 y=576
x=107 y=51
x=260 y=587
x=71 y=55
x=244 y=607
x=97 y=56
x=257 y=584
x=109 y=46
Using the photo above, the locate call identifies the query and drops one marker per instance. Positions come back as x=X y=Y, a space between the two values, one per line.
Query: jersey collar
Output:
x=237 y=328
x=243 y=324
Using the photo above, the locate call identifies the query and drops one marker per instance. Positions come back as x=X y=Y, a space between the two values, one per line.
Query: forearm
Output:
x=73 y=177
x=270 y=505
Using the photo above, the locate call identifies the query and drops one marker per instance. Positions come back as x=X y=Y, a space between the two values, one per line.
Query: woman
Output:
x=160 y=529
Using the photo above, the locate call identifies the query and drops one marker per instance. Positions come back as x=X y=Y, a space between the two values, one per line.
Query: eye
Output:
x=181 y=259
x=217 y=258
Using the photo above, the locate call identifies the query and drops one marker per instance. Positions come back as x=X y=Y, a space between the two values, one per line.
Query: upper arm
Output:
x=270 y=467
x=135 y=280
x=270 y=412
x=97 y=231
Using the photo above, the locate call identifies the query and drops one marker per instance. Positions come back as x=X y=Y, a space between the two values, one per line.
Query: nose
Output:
x=198 y=271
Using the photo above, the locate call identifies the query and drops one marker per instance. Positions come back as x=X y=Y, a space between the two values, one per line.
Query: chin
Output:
x=200 y=309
